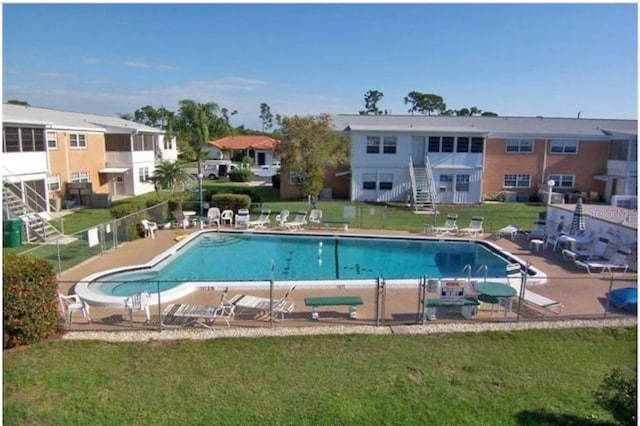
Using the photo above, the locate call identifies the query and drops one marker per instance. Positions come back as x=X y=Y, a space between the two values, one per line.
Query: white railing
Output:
x=413 y=184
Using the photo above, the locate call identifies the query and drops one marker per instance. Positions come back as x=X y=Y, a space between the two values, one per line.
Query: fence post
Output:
x=59 y=260
x=384 y=216
x=523 y=287
x=606 y=307
x=421 y=296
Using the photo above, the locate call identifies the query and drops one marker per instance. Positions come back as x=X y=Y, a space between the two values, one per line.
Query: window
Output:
x=143 y=174
x=618 y=150
x=297 y=178
x=77 y=140
x=54 y=182
x=78 y=177
x=477 y=145
x=447 y=143
x=564 y=146
x=17 y=139
x=11 y=139
x=434 y=144
x=462 y=182
x=563 y=181
x=373 y=144
x=517 y=181
x=463 y=145
x=519 y=145
x=446 y=179
x=168 y=142
x=386 y=181
x=369 y=181
x=52 y=142
x=389 y=145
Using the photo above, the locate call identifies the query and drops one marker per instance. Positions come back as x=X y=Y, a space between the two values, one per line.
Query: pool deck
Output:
x=582 y=295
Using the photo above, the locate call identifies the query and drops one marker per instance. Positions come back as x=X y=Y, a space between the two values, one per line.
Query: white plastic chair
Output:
x=315 y=216
x=149 y=228
x=138 y=302
x=213 y=216
x=242 y=218
x=73 y=303
x=281 y=218
x=226 y=217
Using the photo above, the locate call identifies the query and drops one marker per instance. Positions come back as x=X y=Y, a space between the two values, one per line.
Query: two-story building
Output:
x=50 y=155
x=461 y=159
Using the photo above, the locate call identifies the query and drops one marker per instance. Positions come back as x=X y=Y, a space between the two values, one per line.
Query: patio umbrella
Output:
x=577 y=224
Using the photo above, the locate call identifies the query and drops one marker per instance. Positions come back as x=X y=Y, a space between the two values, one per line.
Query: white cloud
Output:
x=53 y=75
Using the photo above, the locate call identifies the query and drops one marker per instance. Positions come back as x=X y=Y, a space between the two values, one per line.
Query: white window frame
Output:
x=385 y=182
x=373 y=145
x=519 y=180
x=52 y=137
x=522 y=146
x=563 y=146
x=390 y=145
x=369 y=179
x=80 y=140
x=143 y=174
x=53 y=183
x=563 y=181
x=80 y=177
x=463 y=183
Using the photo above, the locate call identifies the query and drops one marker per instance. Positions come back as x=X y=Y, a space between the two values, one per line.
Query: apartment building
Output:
x=52 y=157
x=461 y=159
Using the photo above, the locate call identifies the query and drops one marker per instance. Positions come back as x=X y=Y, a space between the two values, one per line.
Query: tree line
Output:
x=421 y=103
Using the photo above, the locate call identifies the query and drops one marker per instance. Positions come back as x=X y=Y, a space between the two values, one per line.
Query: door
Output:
x=118 y=185
x=261 y=159
x=417 y=150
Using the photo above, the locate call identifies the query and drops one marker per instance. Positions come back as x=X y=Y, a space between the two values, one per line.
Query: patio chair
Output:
x=73 y=303
x=262 y=305
x=261 y=221
x=226 y=217
x=475 y=227
x=213 y=216
x=514 y=277
x=281 y=218
x=298 y=221
x=138 y=302
x=242 y=218
x=618 y=261
x=595 y=251
x=149 y=228
x=179 y=219
x=202 y=315
x=539 y=231
x=315 y=216
x=450 y=226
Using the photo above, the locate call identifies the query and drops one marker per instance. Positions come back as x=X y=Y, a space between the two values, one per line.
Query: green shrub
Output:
x=122 y=210
x=255 y=197
x=618 y=395
x=177 y=199
x=129 y=229
x=240 y=175
x=231 y=201
x=29 y=294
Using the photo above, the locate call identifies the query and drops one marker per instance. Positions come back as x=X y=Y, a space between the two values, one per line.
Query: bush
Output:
x=29 y=294
x=255 y=197
x=275 y=181
x=177 y=199
x=618 y=395
x=131 y=229
x=240 y=175
x=231 y=201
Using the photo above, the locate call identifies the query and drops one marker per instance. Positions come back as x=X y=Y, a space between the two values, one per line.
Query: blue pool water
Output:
x=243 y=257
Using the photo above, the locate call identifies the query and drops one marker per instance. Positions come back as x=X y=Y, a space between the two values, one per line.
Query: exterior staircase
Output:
x=37 y=227
x=423 y=187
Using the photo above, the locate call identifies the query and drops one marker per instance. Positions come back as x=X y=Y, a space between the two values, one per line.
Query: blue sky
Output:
x=512 y=59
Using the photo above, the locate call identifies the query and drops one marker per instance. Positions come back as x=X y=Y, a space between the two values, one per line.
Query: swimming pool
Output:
x=214 y=259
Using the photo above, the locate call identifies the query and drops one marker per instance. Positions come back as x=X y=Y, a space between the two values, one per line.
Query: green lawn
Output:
x=495 y=378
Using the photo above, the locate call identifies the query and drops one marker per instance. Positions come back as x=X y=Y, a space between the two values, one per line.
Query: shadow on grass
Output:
x=539 y=418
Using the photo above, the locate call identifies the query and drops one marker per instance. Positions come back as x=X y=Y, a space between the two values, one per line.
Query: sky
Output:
x=553 y=60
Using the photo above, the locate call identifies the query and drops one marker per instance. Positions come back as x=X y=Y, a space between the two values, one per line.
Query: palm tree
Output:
x=169 y=175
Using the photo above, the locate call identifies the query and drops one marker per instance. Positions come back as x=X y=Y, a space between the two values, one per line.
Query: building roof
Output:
x=264 y=143
x=497 y=127
x=56 y=119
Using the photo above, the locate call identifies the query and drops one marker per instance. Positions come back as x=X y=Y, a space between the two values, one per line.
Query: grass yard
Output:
x=495 y=378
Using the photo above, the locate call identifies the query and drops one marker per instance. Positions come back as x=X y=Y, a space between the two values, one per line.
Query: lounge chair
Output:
x=261 y=221
x=213 y=216
x=149 y=228
x=514 y=277
x=298 y=221
x=475 y=227
x=450 y=226
x=138 y=302
x=202 y=315
x=242 y=218
x=262 y=305
x=539 y=231
x=73 y=303
x=281 y=218
x=226 y=217
x=315 y=216
x=510 y=231
x=618 y=261
x=596 y=251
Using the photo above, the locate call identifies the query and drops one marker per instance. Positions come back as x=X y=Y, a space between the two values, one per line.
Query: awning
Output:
x=606 y=178
x=113 y=170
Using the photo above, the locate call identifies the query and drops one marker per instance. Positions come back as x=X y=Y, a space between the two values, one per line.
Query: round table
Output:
x=497 y=290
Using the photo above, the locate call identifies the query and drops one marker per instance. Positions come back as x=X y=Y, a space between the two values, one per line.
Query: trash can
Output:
x=12 y=233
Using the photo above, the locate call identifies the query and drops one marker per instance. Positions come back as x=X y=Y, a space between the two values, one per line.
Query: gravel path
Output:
x=198 y=334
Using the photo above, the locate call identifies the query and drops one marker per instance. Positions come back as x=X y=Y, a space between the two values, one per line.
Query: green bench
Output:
x=351 y=301
x=343 y=223
x=468 y=307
